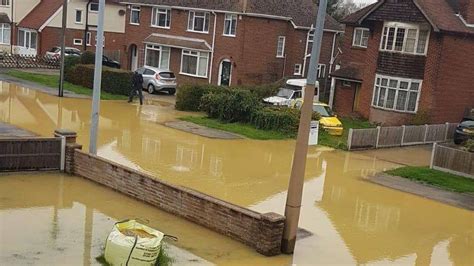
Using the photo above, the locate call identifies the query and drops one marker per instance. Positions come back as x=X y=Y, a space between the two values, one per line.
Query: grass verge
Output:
x=435 y=178
x=53 y=81
x=163 y=259
x=242 y=129
x=340 y=142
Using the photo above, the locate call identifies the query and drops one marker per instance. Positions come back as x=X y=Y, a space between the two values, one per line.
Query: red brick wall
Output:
x=260 y=231
x=344 y=98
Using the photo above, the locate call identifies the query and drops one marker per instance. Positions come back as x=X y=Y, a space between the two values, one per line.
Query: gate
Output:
x=28 y=154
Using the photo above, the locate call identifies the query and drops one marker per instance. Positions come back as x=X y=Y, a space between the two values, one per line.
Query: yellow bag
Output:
x=131 y=243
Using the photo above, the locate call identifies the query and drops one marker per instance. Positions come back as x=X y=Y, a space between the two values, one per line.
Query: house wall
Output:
x=21 y=9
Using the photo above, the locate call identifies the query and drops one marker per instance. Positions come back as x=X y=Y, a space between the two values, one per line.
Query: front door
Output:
x=133 y=57
x=225 y=71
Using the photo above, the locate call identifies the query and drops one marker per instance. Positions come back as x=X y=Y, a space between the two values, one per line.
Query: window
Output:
x=396 y=94
x=77 y=41
x=5 y=33
x=93 y=7
x=281 y=46
x=27 y=39
x=78 y=16
x=88 y=39
x=4 y=2
x=405 y=38
x=157 y=56
x=297 y=71
x=135 y=15
x=361 y=37
x=321 y=71
x=230 y=24
x=198 y=21
x=161 y=17
x=194 y=63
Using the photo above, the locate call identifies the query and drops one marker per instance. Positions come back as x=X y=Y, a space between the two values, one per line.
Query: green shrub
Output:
x=189 y=97
x=469 y=145
x=114 y=81
x=88 y=58
x=230 y=105
x=70 y=62
x=276 y=118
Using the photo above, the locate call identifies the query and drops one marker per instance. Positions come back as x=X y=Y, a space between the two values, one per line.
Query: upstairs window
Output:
x=198 y=21
x=135 y=15
x=93 y=7
x=397 y=94
x=4 y=2
x=161 y=18
x=281 y=46
x=361 y=37
x=78 y=16
x=321 y=71
x=230 y=25
x=405 y=38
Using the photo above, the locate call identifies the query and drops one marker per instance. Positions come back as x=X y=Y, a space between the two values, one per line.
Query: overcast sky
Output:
x=365 y=1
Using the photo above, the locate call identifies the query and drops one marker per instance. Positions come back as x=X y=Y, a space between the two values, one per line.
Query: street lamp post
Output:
x=295 y=189
x=63 y=47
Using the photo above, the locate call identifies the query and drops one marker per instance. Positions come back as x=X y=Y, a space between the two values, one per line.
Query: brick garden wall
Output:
x=262 y=232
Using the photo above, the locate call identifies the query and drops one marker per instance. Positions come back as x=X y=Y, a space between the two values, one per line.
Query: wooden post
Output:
x=446 y=133
x=403 y=135
x=349 y=139
x=433 y=155
x=378 y=137
x=426 y=133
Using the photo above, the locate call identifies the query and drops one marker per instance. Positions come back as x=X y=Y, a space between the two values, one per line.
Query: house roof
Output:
x=4 y=18
x=301 y=12
x=178 y=42
x=40 y=14
x=441 y=14
x=352 y=71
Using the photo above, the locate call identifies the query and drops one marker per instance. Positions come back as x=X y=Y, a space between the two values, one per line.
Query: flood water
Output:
x=350 y=220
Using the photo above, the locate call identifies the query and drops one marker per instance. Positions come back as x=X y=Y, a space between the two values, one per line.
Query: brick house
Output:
x=407 y=59
x=227 y=42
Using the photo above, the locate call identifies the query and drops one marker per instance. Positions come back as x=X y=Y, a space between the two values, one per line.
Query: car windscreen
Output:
x=285 y=93
x=324 y=111
x=55 y=50
x=167 y=75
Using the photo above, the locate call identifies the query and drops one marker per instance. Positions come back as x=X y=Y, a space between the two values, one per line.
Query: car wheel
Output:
x=457 y=141
x=151 y=89
x=172 y=92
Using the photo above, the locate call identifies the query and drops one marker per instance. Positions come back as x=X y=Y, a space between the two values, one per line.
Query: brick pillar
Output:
x=271 y=228
x=71 y=146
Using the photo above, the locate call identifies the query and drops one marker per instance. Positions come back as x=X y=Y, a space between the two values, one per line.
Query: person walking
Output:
x=137 y=87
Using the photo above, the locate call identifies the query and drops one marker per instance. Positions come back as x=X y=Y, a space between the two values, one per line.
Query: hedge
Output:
x=114 y=81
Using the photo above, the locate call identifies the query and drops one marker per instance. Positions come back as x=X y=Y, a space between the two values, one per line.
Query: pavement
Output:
x=8 y=131
x=201 y=130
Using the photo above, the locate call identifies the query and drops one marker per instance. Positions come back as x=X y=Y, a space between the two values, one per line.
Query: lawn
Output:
x=340 y=142
x=53 y=81
x=242 y=129
x=435 y=178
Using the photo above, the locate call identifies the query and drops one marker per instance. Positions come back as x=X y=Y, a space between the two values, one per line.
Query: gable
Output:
x=398 y=10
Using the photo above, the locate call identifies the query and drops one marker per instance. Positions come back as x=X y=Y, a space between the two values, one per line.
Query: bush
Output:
x=189 y=97
x=114 y=81
x=70 y=62
x=88 y=58
x=230 y=105
x=469 y=145
x=275 y=118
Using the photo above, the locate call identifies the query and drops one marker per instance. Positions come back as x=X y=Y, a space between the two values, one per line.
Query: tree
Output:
x=339 y=9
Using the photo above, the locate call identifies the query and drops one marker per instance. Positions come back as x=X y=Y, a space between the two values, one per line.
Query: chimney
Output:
x=244 y=4
x=466 y=9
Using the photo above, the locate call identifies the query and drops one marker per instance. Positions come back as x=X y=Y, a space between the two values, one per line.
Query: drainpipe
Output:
x=333 y=58
x=86 y=29
x=213 y=44
x=11 y=27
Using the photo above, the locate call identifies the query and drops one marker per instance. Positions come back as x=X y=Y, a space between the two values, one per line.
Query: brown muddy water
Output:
x=56 y=219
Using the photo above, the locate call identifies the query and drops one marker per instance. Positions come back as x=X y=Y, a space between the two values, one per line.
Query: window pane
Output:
x=401 y=100
x=381 y=102
x=412 y=101
x=78 y=15
x=390 y=98
x=391 y=35
x=376 y=95
x=400 y=39
x=206 y=23
x=202 y=67
x=415 y=86
x=191 y=20
x=422 y=41
x=403 y=85
x=393 y=83
x=227 y=27
x=199 y=24
x=152 y=58
x=358 y=37
x=384 y=38
x=189 y=64
x=27 y=39
x=165 y=56
x=384 y=82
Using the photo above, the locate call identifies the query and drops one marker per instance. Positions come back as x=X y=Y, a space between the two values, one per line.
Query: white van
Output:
x=293 y=90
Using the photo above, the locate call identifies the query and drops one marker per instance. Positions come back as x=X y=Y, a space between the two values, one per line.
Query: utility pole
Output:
x=97 y=79
x=295 y=189
x=63 y=47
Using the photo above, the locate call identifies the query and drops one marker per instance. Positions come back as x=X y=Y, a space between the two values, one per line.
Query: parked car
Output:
x=464 y=131
x=55 y=52
x=328 y=121
x=109 y=62
x=155 y=79
x=292 y=91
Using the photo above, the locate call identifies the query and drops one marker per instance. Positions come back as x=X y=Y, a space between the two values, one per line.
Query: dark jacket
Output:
x=137 y=80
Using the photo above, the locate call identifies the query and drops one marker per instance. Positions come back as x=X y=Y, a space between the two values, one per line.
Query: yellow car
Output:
x=328 y=121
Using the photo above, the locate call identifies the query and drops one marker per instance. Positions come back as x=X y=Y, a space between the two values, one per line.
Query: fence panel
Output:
x=451 y=130
x=453 y=160
x=390 y=136
x=363 y=138
x=436 y=133
x=414 y=135
x=23 y=61
x=30 y=154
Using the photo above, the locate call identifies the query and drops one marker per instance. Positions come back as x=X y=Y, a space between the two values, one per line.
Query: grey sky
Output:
x=365 y=1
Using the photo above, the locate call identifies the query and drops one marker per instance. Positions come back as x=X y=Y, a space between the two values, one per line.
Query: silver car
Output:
x=155 y=79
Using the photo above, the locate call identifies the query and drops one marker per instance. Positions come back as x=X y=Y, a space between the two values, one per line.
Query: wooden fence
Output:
x=384 y=137
x=32 y=154
x=23 y=61
x=452 y=160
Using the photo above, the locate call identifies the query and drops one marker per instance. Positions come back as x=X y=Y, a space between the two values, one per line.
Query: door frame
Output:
x=133 y=57
x=220 y=71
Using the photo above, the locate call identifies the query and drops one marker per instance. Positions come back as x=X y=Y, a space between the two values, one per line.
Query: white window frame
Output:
x=93 y=4
x=25 y=33
x=359 y=43
x=232 y=18
x=321 y=71
x=199 y=56
x=75 y=16
x=155 y=17
x=160 y=49
x=3 y=28
x=298 y=69
x=5 y=3
x=77 y=41
x=406 y=27
x=192 y=26
x=135 y=9
x=281 y=42
x=398 y=89
x=88 y=38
